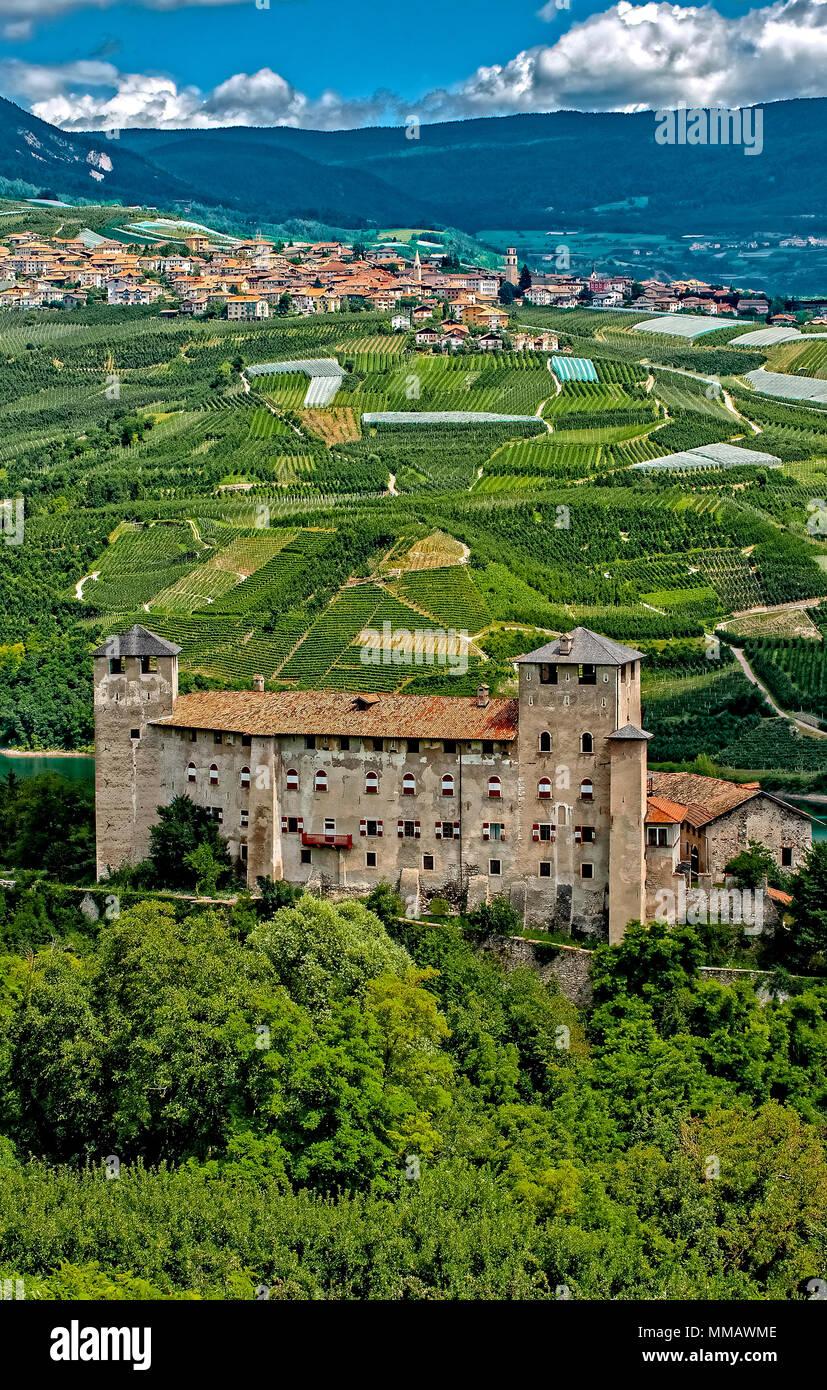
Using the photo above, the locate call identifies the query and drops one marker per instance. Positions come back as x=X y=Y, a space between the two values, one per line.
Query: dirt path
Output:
x=393 y=490
x=539 y=413
x=785 y=714
x=730 y=405
x=81 y=582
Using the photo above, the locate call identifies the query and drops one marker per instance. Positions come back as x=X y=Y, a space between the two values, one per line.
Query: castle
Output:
x=544 y=798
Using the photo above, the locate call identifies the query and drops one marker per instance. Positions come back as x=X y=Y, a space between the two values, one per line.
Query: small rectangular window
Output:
x=587 y=834
x=494 y=867
x=496 y=831
x=786 y=857
x=217 y=737
x=449 y=745
x=149 y=665
x=487 y=745
x=329 y=826
x=116 y=666
x=545 y=868
x=545 y=831
x=344 y=745
x=587 y=674
x=587 y=870
x=378 y=745
x=548 y=675
x=410 y=829
x=427 y=861
x=306 y=857
x=245 y=818
x=243 y=853
x=370 y=859
x=134 y=733
x=246 y=740
x=371 y=827
x=292 y=824
x=217 y=813
x=193 y=735
x=447 y=830
x=413 y=745
x=310 y=741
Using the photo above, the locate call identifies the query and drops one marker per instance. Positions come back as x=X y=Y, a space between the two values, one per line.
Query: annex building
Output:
x=544 y=798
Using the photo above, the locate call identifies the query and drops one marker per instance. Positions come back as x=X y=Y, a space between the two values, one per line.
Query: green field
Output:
x=222 y=521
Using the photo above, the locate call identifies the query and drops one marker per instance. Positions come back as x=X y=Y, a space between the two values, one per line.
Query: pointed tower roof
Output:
x=137 y=641
x=630 y=732
x=582 y=647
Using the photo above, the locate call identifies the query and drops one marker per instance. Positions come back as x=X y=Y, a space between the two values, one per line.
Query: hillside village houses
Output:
x=254 y=279
x=544 y=797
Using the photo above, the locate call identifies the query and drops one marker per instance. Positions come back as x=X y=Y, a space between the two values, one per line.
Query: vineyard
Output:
x=266 y=532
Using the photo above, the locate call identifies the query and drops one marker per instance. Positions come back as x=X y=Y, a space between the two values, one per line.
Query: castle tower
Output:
x=627 y=804
x=583 y=789
x=136 y=681
x=512 y=269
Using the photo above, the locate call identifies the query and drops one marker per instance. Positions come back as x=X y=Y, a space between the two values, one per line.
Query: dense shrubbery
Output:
x=416 y=1134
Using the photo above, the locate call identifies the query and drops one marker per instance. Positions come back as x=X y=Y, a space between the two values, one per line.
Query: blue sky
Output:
x=321 y=62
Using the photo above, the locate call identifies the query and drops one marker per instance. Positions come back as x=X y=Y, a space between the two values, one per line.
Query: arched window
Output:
x=292 y=780
x=447 y=785
x=544 y=788
x=191 y=772
x=545 y=742
x=320 y=782
x=587 y=789
x=586 y=743
x=214 y=775
x=245 y=777
x=372 y=782
x=494 y=786
x=409 y=784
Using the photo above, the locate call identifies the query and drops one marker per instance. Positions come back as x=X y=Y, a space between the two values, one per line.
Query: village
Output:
x=445 y=304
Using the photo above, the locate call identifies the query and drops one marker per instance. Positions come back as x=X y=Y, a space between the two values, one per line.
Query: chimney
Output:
x=565 y=644
x=482 y=696
x=258 y=682
x=650 y=783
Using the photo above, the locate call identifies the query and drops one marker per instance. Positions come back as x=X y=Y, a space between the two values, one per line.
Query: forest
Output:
x=331 y=1102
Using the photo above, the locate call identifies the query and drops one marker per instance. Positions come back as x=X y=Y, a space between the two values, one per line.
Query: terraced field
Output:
x=266 y=536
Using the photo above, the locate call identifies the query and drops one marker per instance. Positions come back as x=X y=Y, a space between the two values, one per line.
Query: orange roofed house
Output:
x=543 y=797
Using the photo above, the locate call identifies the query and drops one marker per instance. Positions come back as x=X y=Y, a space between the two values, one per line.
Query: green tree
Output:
x=324 y=951
x=495 y=918
x=181 y=828
x=48 y=823
x=752 y=865
x=207 y=869
x=808 y=933
x=149 y=1044
x=386 y=903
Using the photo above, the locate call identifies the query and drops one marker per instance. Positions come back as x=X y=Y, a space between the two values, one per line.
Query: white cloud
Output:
x=92 y=95
x=17 y=30
x=634 y=57
x=630 y=57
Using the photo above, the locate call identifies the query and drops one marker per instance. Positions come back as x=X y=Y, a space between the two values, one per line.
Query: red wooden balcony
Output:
x=332 y=841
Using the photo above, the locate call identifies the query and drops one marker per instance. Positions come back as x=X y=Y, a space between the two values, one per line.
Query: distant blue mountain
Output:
x=530 y=171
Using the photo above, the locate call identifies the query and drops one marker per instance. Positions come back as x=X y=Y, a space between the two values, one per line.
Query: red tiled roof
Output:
x=340 y=713
x=660 y=811
x=779 y=897
x=704 y=797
